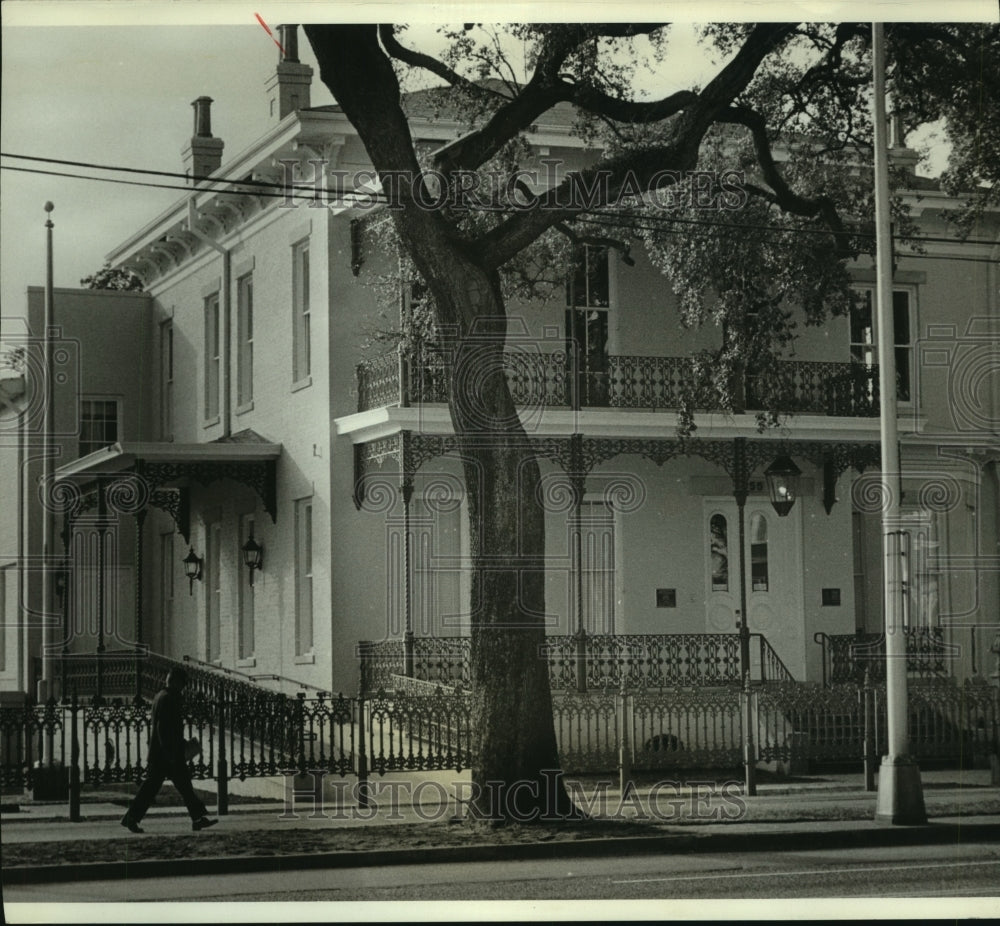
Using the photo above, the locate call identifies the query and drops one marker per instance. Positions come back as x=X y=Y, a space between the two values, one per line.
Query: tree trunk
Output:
x=516 y=772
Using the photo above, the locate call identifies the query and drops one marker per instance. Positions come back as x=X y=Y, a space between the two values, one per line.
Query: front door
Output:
x=773 y=576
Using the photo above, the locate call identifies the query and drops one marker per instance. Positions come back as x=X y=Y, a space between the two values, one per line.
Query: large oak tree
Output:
x=804 y=86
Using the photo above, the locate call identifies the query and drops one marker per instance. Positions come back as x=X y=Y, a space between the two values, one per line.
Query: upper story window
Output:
x=98 y=424
x=865 y=336
x=244 y=339
x=167 y=381
x=213 y=361
x=587 y=298
x=301 y=337
x=589 y=285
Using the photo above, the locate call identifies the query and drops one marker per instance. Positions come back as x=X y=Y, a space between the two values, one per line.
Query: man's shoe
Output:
x=203 y=823
x=130 y=825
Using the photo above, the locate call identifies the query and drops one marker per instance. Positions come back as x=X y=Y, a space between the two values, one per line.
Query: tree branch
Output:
x=417 y=59
x=638 y=168
x=784 y=196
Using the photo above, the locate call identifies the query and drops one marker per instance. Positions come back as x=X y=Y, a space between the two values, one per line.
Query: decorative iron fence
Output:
x=418 y=726
x=624 y=381
x=848 y=656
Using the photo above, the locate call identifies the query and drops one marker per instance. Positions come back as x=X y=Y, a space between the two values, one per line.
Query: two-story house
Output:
x=277 y=490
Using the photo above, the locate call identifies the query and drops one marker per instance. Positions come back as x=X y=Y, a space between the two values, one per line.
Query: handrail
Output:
x=284 y=678
x=212 y=667
x=769 y=659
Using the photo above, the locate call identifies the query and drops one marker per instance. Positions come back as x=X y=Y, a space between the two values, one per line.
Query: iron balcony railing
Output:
x=549 y=379
x=585 y=661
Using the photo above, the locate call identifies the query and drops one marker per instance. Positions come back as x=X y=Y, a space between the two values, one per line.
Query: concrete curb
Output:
x=746 y=840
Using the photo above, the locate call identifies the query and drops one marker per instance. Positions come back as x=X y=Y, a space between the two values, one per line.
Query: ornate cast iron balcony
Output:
x=624 y=381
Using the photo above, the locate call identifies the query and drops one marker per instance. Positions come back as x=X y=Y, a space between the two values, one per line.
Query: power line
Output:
x=295 y=190
x=309 y=191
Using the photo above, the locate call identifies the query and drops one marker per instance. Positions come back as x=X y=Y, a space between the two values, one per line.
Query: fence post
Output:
x=408 y=644
x=749 y=752
x=624 y=744
x=362 y=753
x=74 y=766
x=580 y=640
x=995 y=750
x=365 y=658
x=222 y=764
x=300 y=722
x=869 y=731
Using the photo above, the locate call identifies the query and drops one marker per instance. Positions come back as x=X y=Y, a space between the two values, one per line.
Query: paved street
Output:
x=968 y=871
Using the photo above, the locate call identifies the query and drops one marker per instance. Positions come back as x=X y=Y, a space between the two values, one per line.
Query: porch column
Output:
x=741 y=479
x=102 y=530
x=578 y=480
x=406 y=489
x=67 y=584
x=140 y=520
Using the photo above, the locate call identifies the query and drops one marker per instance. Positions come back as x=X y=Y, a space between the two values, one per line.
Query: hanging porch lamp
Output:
x=783 y=484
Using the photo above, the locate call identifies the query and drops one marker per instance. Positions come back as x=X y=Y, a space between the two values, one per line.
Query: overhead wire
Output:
x=268 y=189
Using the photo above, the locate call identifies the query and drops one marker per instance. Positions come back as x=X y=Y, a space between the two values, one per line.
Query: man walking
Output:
x=166 y=758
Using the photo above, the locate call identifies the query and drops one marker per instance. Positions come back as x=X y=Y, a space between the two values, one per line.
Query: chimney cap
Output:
x=203 y=116
x=289 y=33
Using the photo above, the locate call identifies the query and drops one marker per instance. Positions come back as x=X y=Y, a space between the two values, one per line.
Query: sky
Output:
x=102 y=92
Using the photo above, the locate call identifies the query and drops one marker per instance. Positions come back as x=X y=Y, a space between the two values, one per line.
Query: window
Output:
x=758 y=553
x=245 y=643
x=301 y=348
x=244 y=334
x=213 y=598
x=864 y=336
x=168 y=568
x=6 y=589
x=98 y=424
x=213 y=345
x=303 y=577
x=597 y=551
x=718 y=549
x=167 y=381
x=587 y=298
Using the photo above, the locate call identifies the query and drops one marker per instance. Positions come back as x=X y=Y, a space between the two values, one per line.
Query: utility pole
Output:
x=900 y=794
x=45 y=684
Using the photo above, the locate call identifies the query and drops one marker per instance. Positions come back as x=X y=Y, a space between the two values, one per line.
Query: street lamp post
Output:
x=900 y=794
x=45 y=683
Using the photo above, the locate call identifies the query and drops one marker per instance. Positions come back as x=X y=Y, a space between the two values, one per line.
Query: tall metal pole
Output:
x=900 y=795
x=45 y=684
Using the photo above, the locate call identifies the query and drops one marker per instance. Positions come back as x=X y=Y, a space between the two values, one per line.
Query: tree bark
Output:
x=516 y=774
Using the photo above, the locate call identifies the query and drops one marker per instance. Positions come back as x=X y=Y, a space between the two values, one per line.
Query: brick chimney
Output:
x=203 y=154
x=288 y=88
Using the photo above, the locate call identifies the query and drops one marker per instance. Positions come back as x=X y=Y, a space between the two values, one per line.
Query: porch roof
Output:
x=132 y=475
x=122 y=456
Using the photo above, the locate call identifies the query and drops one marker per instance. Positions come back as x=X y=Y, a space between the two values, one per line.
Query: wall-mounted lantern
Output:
x=253 y=555
x=783 y=484
x=192 y=568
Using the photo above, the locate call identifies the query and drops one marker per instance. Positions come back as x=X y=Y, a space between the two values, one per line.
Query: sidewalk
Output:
x=41 y=844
